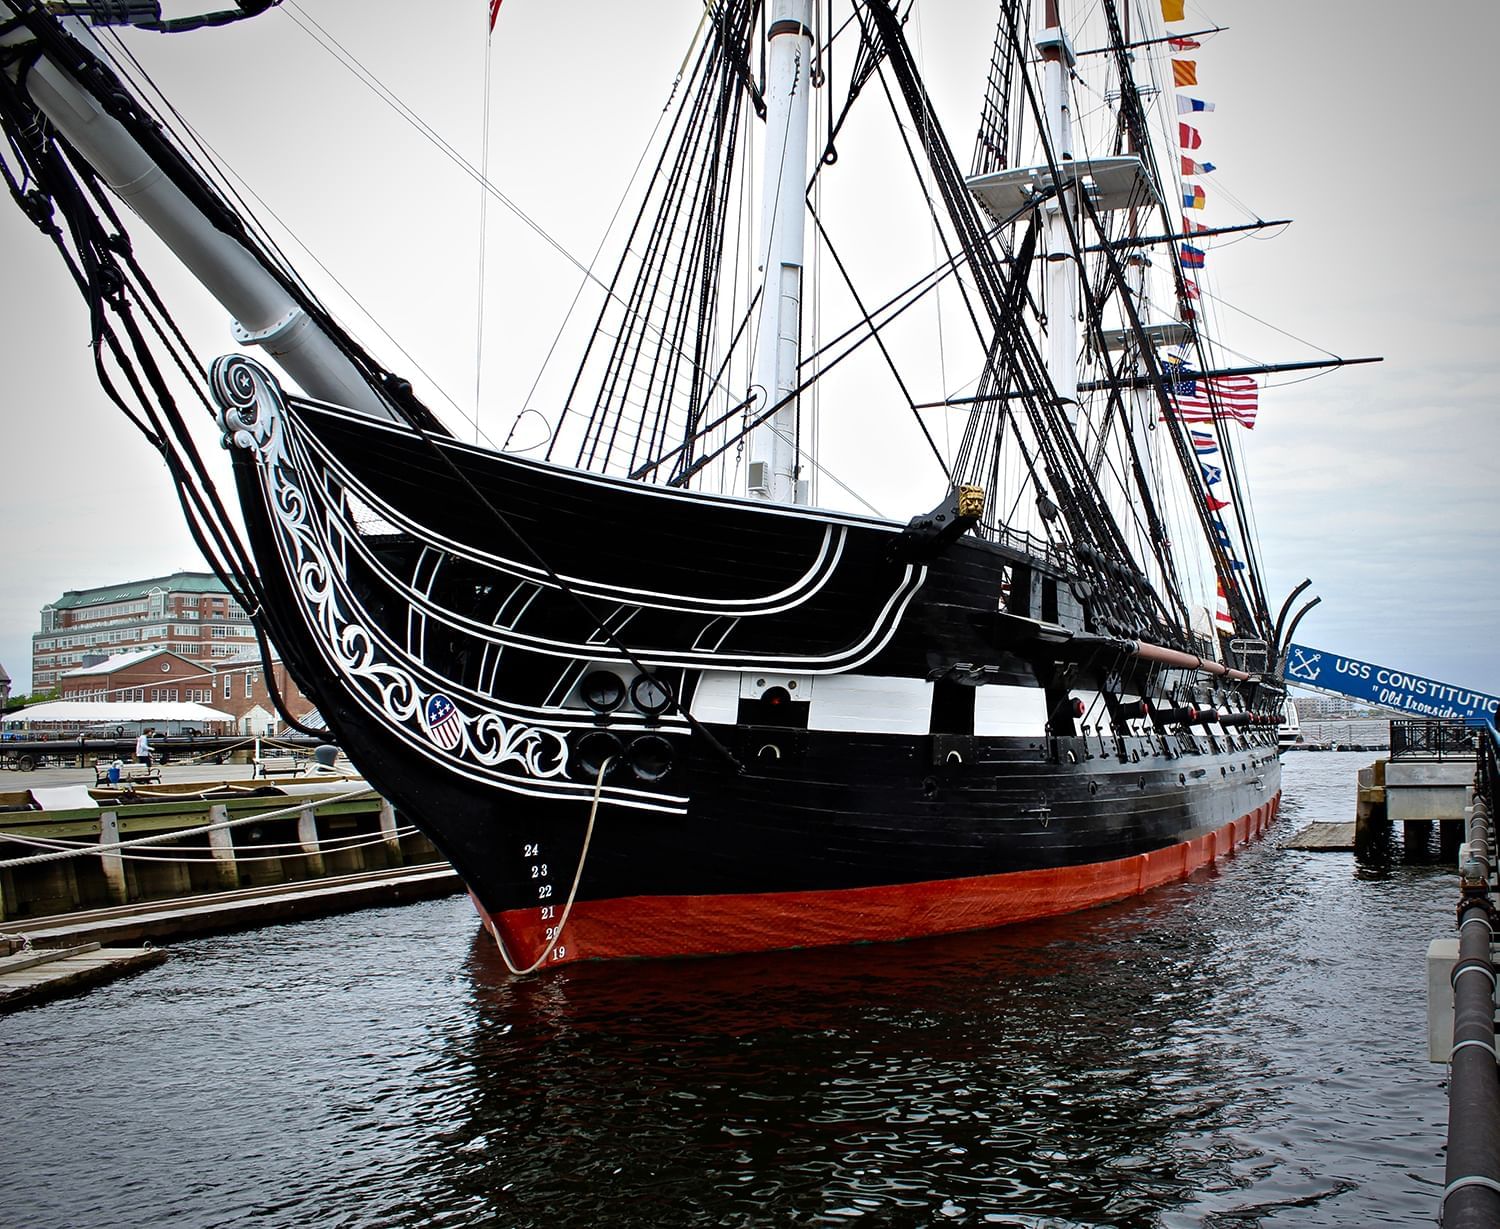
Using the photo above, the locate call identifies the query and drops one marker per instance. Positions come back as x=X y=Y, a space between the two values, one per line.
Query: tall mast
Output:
x=1137 y=261
x=1062 y=263
x=778 y=341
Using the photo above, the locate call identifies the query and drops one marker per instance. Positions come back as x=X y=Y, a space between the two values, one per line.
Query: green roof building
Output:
x=188 y=613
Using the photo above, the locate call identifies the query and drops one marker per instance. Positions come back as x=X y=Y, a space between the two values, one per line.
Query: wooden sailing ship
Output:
x=647 y=718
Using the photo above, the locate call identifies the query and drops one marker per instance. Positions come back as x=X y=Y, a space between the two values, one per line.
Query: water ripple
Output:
x=1243 y=1049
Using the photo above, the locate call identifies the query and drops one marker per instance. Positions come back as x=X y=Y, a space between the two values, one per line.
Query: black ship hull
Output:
x=644 y=722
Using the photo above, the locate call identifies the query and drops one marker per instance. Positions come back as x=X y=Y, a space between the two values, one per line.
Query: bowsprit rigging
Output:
x=729 y=719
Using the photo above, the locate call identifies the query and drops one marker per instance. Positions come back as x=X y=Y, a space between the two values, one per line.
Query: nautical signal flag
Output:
x=1221 y=532
x=1184 y=44
x=1184 y=72
x=1186 y=104
x=1212 y=474
x=1222 y=617
x=1189 y=287
x=1193 y=228
x=1211 y=398
x=1189 y=167
x=1192 y=258
x=1216 y=505
x=1193 y=197
x=1172 y=10
x=1188 y=136
x=494 y=13
x=1203 y=442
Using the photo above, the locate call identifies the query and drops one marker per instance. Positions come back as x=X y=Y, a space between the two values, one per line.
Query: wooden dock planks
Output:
x=41 y=973
x=1324 y=836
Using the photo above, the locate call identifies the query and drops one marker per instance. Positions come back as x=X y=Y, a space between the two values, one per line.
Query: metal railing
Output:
x=1471 y=1191
x=1433 y=738
x=1487 y=771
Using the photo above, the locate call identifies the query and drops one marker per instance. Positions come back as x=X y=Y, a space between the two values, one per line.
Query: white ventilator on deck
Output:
x=264 y=313
x=778 y=344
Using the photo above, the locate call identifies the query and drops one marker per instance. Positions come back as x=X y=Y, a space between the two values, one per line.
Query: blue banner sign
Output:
x=1385 y=686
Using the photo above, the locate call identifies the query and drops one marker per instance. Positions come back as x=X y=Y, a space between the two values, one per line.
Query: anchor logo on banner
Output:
x=1304 y=665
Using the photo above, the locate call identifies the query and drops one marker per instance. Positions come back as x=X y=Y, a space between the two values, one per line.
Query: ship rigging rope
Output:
x=212 y=165
x=325 y=846
x=320 y=35
x=160 y=838
x=104 y=285
x=583 y=855
x=205 y=515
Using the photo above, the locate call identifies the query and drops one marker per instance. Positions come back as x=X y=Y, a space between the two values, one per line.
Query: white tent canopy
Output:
x=104 y=712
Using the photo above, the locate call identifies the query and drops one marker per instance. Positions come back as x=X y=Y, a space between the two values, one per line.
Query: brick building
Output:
x=188 y=613
x=149 y=675
x=240 y=688
x=236 y=686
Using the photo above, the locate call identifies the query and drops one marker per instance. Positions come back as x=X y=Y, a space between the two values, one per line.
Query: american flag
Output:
x=1203 y=399
x=444 y=724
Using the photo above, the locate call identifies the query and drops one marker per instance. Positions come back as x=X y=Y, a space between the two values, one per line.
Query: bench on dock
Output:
x=280 y=765
x=145 y=774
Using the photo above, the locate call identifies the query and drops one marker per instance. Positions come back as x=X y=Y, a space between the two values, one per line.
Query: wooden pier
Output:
x=259 y=906
x=93 y=848
x=83 y=868
x=29 y=976
x=1324 y=836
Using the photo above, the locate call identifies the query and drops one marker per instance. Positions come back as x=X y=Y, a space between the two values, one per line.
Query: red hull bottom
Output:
x=659 y=926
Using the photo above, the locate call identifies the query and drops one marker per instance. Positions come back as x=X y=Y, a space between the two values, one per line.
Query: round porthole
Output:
x=650 y=694
x=602 y=691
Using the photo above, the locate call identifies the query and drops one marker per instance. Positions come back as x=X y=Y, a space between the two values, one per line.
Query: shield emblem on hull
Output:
x=444 y=725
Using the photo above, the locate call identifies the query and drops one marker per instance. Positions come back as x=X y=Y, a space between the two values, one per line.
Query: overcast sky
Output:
x=1369 y=122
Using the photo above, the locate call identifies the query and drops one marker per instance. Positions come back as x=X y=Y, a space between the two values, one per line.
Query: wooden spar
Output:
x=1146 y=381
x=1209 y=231
x=1146 y=42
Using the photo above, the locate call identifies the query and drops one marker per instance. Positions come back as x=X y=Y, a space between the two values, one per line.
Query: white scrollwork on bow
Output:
x=252 y=414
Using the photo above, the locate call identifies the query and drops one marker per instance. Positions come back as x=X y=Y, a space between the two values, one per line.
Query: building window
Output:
x=227 y=679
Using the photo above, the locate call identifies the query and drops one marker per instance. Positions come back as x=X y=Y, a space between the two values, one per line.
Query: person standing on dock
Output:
x=143 y=749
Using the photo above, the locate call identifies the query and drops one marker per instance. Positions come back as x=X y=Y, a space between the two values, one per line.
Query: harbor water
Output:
x=1247 y=1048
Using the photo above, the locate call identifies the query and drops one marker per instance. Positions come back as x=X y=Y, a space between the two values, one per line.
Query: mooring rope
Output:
x=572 y=892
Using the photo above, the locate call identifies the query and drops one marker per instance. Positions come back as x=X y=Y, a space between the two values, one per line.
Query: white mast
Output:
x=778 y=341
x=1062 y=263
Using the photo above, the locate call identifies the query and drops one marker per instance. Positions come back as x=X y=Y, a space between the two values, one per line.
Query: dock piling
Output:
x=222 y=846
x=388 y=831
x=307 y=837
x=111 y=859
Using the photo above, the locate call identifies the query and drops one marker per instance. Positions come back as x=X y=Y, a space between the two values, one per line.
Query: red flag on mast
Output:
x=494 y=13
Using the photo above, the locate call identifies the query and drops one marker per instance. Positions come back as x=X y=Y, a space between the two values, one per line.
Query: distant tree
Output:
x=36 y=697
